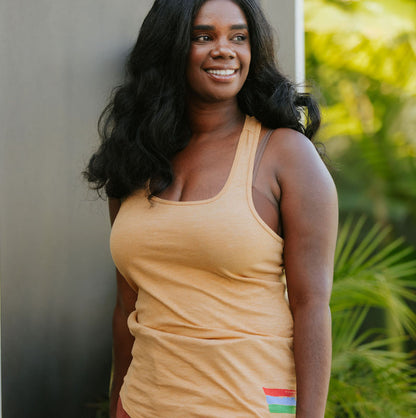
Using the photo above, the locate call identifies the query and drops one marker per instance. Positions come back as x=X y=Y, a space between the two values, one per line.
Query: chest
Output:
x=201 y=170
x=214 y=236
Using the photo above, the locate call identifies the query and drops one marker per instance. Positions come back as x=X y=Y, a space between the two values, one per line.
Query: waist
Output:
x=213 y=316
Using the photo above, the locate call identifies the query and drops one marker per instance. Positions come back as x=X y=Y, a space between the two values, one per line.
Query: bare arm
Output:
x=122 y=339
x=310 y=219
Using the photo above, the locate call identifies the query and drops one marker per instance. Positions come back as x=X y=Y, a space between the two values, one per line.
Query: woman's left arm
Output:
x=309 y=212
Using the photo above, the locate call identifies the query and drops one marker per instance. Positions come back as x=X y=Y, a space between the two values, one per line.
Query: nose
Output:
x=223 y=49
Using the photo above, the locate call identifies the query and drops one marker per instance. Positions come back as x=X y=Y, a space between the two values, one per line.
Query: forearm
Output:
x=312 y=350
x=122 y=345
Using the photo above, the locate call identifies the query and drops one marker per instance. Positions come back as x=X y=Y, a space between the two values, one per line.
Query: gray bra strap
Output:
x=260 y=151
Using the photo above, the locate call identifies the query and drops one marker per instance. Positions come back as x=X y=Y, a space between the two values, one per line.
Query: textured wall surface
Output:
x=60 y=60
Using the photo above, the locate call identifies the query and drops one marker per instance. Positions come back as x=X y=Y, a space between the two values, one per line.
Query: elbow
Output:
x=310 y=303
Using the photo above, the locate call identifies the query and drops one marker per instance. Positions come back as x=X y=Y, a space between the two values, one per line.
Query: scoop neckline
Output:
x=224 y=187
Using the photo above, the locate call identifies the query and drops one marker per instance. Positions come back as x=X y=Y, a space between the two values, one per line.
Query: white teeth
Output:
x=221 y=72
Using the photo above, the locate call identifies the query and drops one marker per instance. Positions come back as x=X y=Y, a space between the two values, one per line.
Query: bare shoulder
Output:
x=309 y=213
x=290 y=146
x=296 y=160
x=308 y=197
x=288 y=139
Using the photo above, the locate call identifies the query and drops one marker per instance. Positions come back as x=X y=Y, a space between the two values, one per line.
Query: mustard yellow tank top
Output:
x=213 y=330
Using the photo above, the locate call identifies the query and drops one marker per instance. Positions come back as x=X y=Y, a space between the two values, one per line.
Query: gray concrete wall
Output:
x=60 y=59
x=287 y=19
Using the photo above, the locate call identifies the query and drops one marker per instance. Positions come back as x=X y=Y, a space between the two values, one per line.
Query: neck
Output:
x=208 y=118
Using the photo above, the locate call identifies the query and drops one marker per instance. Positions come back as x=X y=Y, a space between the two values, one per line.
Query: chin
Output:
x=221 y=96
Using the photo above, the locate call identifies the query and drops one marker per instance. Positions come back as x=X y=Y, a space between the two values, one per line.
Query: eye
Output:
x=201 y=38
x=240 y=38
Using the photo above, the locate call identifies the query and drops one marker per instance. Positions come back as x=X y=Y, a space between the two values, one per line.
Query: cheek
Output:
x=194 y=63
x=191 y=65
x=248 y=56
x=245 y=56
x=196 y=55
x=246 y=61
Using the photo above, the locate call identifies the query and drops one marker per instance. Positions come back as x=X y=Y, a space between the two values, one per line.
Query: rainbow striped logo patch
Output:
x=281 y=401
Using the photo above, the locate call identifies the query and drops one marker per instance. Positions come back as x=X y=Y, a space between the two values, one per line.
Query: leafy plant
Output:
x=362 y=55
x=369 y=377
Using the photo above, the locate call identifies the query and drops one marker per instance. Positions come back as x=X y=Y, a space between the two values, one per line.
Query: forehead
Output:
x=224 y=12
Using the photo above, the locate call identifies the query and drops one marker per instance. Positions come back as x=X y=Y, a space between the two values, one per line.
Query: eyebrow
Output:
x=209 y=27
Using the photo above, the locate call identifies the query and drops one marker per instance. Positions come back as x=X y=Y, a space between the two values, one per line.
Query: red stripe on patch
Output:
x=280 y=392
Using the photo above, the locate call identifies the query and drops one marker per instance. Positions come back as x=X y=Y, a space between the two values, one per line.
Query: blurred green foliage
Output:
x=362 y=57
x=369 y=378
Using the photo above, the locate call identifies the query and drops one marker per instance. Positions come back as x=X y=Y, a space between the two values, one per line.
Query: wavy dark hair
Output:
x=145 y=124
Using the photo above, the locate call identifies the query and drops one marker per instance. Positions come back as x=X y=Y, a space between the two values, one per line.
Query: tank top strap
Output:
x=247 y=147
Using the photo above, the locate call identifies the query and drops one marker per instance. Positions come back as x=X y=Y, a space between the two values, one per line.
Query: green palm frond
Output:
x=370 y=274
x=369 y=379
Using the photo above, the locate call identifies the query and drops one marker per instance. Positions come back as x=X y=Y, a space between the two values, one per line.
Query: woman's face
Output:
x=220 y=53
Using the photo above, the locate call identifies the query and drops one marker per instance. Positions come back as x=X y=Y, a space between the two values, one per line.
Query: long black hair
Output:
x=145 y=124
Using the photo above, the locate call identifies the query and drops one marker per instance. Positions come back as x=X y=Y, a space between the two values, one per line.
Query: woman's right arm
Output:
x=122 y=339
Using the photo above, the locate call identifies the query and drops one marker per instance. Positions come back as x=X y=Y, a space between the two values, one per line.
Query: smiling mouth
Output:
x=221 y=73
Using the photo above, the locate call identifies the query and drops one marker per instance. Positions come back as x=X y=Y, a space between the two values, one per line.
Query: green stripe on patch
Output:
x=282 y=409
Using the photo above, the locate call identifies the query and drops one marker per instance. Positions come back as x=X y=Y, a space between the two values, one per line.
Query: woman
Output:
x=207 y=167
